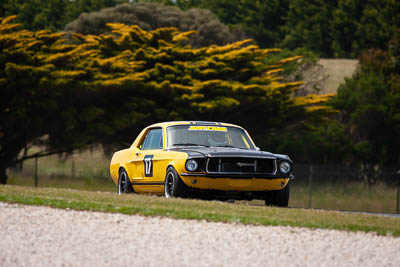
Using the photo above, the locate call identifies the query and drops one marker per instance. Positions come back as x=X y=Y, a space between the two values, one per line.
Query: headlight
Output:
x=191 y=165
x=285 y=167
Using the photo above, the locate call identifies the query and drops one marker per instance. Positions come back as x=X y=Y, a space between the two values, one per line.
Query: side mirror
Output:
x=257 y=148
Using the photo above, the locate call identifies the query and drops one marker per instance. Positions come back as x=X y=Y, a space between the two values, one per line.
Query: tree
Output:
x=340 y=28
x=228 y=83
x=103 y=89
x=308 y=25
x=360 y=25
x=51 y=14
x=50 y=95
x=369 y=104
x=150 y=16
x=334 y=29
x=322 y=142
x=261 y=20
x=37 y=78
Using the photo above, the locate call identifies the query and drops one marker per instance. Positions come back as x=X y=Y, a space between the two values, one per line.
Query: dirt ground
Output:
x=338 y=70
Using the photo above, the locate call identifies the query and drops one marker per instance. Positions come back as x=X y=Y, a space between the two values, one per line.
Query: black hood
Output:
x=195 y=152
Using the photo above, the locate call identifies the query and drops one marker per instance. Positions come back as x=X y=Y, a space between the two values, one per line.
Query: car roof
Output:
x=199 y=123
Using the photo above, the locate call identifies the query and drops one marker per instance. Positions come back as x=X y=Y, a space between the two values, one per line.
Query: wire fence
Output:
x=335 y=187
x=342 y=187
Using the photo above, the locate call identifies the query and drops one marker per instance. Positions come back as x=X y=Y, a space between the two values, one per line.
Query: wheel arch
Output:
x=171 y=164
x=179 y=167
x=124 y=167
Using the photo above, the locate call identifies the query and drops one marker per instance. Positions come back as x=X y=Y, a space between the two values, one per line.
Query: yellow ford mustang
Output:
x=201 y=159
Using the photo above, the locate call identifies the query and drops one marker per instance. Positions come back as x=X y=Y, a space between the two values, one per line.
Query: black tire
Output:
x=173 y=185
x=124 y=184
x=278 y=198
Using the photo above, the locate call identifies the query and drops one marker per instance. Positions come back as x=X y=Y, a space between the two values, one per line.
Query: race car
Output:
x=209 y=160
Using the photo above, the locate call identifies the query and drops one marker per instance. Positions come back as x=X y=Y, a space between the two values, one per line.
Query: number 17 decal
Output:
x=148 y=165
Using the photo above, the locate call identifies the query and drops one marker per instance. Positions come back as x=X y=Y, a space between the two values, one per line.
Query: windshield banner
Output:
x=208 y=128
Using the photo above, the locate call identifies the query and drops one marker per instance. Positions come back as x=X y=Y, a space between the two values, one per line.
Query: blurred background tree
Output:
x=40 y=85
x=308 y=25
x=52 y=14
x=360 y=25
x=260 y=20
x=150 y=16
x=103 y=89
x=370 y=105
x=331 y=29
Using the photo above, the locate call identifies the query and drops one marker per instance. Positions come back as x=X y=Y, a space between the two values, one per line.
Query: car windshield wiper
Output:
x=189 y=144
x=231 y=146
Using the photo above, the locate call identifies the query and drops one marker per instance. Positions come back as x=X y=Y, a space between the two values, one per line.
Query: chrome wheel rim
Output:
x=169 y=185
x=122 y=183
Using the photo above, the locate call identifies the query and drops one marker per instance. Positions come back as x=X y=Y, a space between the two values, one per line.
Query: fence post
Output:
x=36 y=172
x=73 y=168
x=398 y=192
x=310 y=176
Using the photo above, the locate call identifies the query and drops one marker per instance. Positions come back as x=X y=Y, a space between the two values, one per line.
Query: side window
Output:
x=153 y=140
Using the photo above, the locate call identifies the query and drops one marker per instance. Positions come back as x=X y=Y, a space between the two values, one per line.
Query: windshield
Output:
x=215 y=136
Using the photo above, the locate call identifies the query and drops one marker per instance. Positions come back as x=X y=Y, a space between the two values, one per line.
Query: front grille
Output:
x=241 y=165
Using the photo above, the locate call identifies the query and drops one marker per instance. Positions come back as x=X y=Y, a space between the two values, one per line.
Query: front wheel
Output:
x=124 y=185
x=278 y=198
x=173 y=186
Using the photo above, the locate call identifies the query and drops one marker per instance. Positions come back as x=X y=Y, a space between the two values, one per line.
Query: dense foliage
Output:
x=45 y=94
x=329 y=28
x=341 y=28
x=105 y=88
x=151 y=16
x=367 y=127
x=370 y=105
x=259 y=19
x=51 y=14
x=308 y=25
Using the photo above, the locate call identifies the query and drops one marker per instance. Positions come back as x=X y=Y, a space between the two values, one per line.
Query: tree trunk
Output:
x=3 y=175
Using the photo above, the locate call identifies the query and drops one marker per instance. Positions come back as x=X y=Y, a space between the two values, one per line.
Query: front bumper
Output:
x=237 y=175
x=204 y=181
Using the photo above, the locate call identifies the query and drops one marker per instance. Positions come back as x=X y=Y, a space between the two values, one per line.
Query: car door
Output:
x=148 y=177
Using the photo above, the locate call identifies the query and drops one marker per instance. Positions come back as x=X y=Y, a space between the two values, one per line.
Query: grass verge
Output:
x=89 y=170
x=197 y=209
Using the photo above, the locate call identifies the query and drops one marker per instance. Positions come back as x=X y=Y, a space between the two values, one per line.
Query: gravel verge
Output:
x=42 y=236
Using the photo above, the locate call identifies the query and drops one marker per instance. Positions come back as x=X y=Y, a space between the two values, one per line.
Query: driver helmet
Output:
x=216 y=138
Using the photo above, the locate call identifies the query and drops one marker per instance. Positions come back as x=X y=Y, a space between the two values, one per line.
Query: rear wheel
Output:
x=124 y=185
x=278 y=198
x=173 y=186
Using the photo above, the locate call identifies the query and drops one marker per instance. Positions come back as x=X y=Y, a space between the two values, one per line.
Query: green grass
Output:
x=88 y=183
x=88 y=163
x=197 y=209
x=346 y=196
x=88 y=170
